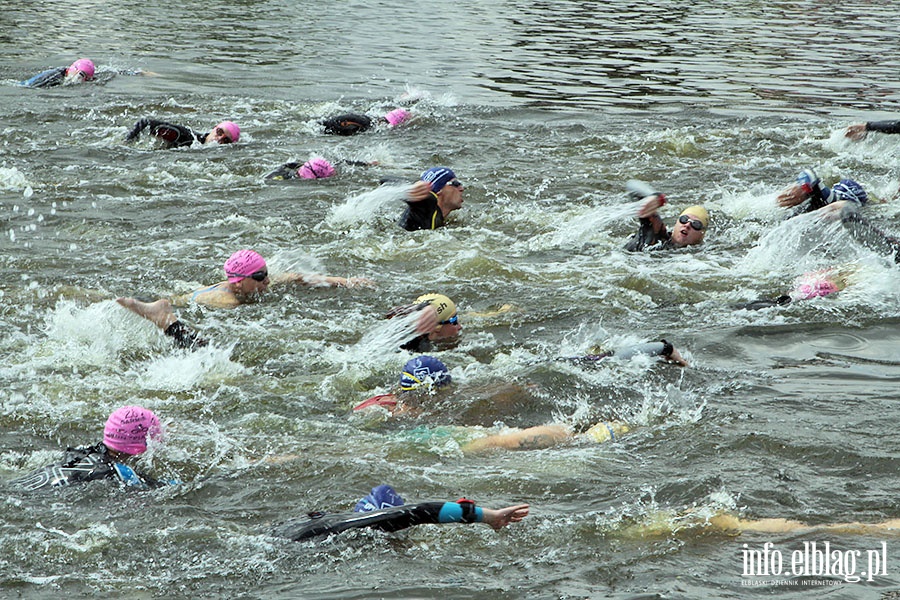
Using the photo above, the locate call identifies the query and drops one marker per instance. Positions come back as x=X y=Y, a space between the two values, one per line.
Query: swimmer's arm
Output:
x=316 y=280
x=533 y=438
x=140 y=126
x=419 y=191
x=883 y=126
x=727 y=522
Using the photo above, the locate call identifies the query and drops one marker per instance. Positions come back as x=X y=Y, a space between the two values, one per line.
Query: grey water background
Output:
x=544 y=109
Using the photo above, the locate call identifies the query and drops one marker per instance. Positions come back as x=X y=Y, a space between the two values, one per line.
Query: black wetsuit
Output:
x=424 y=214
x=388 y=519
x=175 y=136
x=48 y=78
x=184 y=336
x=660 y=348
x=347 y=124
x=883 y=126
x=88 y=463
x=651 y=231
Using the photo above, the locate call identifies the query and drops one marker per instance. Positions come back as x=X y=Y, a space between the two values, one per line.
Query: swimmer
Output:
x=247 y=280
x=438 y=322
x=546 y=436
x=809 y=194
x=419 y=373
x=124 y=436
x=79 y=71
x=177 y=136
x=314 y=168
x=351 y=124
x=689 y=229
x=432 y=199
x=859 y=131
x=815 y=284
x=385 y=510
x=662 y=348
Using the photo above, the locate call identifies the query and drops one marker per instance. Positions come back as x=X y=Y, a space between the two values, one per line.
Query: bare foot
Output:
x=159 y=313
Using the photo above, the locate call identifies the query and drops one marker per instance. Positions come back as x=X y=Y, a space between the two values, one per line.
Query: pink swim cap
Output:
x=316 y=168
x=234 y=132
x=814 y=289
x=397 y=116
x=243 y=264
x=127 y=429
x=84 y=65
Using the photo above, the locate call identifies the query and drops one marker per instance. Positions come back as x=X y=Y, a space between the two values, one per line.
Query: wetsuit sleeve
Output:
x=867 y=234
x=175 y=136
x=285 y=171
x=883 y=126
x=650 y=231
x=389 y=519
x=184 y=336
x=48 y=78
x=348 y=124
x=660 y=348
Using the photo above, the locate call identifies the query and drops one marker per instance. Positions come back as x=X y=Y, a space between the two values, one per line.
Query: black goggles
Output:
x=695 y=223
x=258 y=276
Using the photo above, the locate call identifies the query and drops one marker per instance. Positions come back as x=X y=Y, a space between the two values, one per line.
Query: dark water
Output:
x=544 y=110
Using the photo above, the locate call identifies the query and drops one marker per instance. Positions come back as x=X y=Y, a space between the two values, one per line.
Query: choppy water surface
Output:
x=544 y=109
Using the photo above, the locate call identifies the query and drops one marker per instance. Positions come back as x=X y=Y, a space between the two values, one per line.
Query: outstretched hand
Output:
x=498 y=519
x=856 y=132
x=650 y=205
x=792 y=196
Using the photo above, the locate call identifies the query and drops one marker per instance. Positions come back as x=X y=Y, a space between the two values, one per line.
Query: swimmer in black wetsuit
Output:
x=177 y=136
x=860 y=130
x=351 y=123
x=809 y=194
x=314 y=168
x=383 y=509
x=431 y=199
x=690 y=227
x=79 y=71
x=124 y=436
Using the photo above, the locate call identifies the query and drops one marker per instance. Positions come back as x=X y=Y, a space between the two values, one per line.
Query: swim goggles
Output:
x=695 y=223
x=451 y=321
x=258 y=276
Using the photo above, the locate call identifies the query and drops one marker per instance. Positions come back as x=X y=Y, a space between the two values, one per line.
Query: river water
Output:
x=544 y=110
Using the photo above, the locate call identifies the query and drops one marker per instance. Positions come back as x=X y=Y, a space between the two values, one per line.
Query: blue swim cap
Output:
x=847 y=189
x=423 y=370
x=382 y=496
x=438 y=177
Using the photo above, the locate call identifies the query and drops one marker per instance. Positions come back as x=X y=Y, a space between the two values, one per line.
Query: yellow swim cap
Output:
x=442 y=304
x=606 y=431
x=699 y=212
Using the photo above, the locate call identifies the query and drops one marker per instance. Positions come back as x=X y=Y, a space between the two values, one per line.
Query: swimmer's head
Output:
x=83 y=67
x=127 y=429
x=243 y=264
x=847 y=189
x=397 y=117
x=424 y=371
x=438 y=177
x=691 y=226
x=382 y=496
x=444 y=306
x=316 y=168
x=226 y=132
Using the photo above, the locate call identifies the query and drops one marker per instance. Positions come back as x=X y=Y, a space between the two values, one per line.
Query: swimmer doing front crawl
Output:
x=247 y=280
